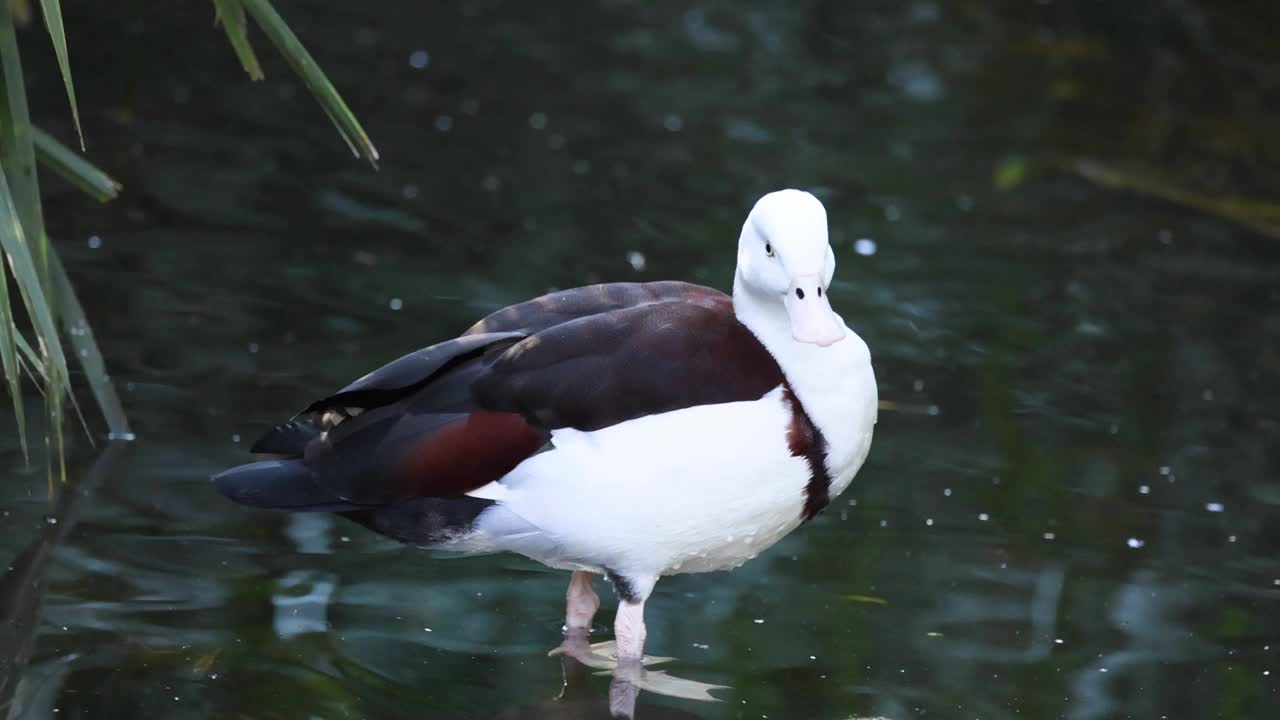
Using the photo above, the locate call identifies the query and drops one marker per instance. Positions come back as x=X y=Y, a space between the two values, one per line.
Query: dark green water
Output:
x=1071 y=509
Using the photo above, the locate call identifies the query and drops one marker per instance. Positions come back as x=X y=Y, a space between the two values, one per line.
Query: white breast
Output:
x=692 y=490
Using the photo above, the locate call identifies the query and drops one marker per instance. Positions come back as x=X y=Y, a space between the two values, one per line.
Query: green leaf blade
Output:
x=231 y=14
x=313 y=77
x=53 y=23
x=74 y=168
x=80 y=336
x=22 y=265
x=9 y=335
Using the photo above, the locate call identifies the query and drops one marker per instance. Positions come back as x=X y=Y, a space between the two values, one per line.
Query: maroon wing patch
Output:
x=468 y=452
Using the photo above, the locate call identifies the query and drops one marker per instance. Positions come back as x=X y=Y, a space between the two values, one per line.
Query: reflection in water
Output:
x=22 y=597
x=632 y=677
x=578 y=701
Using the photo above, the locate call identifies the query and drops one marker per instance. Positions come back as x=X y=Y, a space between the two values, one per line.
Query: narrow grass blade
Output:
x=22 y=265
x=72 y=166
x=17 y=150
x=53 y=21
x=9 y=359
x=313 y=77
x=81 y=338
x=231 y=14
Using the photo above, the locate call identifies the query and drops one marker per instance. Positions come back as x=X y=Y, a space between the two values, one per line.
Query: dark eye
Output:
x=768 y=249
x=819 y=291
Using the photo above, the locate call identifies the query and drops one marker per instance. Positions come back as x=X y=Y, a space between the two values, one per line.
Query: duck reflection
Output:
x=580 y=659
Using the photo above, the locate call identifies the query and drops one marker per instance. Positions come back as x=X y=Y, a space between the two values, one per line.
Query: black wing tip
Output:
x=277 y=485
x=289 y=438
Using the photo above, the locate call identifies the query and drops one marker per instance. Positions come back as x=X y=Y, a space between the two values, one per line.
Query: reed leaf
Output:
x=80 y=336
x=17 y=147
x=9 y=335
x=22 y=265
x=313 y=77
x=53 y=22
x=72 y=166
x=231 y=14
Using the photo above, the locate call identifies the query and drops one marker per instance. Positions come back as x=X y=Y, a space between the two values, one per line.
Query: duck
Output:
x=625 y=430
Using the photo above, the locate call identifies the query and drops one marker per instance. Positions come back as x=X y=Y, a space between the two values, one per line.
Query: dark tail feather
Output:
x=290 y=439
x=423 y=520
x=278 y=485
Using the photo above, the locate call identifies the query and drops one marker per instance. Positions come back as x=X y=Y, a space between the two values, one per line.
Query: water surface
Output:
x=1072 y=506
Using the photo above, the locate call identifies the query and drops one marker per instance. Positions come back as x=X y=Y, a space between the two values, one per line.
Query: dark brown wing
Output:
x=606 y=368
x=460 y=414
x=562 y=306
x=406 y=374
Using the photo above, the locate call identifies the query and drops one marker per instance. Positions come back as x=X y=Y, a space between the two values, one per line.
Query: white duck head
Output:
x=785 y=263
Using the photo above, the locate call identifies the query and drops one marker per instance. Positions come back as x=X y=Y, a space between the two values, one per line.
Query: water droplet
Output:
x=253 y=348
x=395 y=304
x=759 y=621
x=947 y=492
x=928 y=521
x=409 y=191
x=864 y=246
x=538 y=121
x=1050 y=536
x=673 y=123
x=892 y=213
x=51 y=520
x=95 y=242
x=1135 y=543
x=1231 y=538
x=1144 y=489
x=1165 y=470
x=637 y=260
x=444 y=123
x=235 y=438
x=1207 y=395
x=1057 y=641
x=419 y=59
x=1214 y=507
x=918 y=385
x=984 y=517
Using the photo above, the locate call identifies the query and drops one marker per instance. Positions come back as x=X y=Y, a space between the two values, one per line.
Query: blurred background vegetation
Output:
x=1055 y=224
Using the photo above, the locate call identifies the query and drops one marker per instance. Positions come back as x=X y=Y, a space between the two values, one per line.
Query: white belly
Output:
x=692 y=490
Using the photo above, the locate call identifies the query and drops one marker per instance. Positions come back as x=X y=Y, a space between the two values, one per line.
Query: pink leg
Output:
x=629 y=632
x=581 y=603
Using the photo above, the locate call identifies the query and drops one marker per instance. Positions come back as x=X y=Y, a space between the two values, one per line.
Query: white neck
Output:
x=835 y=384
